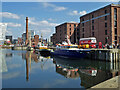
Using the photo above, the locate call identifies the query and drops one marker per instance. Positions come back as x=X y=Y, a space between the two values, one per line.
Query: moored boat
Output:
x=68 y=51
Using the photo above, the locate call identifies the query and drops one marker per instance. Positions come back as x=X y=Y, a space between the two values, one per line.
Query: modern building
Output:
x=64 y=30
x=24 y=37
x=104 y=24
x=32 y=33
x=53 y=38
x=10 y=38
x=15 y=41
x=3 y=27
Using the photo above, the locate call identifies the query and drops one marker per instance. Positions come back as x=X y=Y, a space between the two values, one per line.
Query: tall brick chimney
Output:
x=26 y=31
x=26 y=28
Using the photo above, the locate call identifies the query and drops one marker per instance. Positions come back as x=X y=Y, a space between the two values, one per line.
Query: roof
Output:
x=67 y=23
x=117 y=5
x=95 y=10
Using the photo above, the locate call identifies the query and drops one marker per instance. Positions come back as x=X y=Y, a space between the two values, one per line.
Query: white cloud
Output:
x=55 y=8
x=41 y=23
x=13 y=24
x=44 y=26
x=50 y=19
x=59 y=8
x=10 y=24
x=11 y=75
x=9 y=15
x=75 y=12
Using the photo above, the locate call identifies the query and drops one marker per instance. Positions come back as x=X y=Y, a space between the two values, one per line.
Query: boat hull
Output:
x=45 y=52
x=71 y=53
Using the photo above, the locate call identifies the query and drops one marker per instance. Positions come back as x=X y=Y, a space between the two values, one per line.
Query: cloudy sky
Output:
x=43 y=16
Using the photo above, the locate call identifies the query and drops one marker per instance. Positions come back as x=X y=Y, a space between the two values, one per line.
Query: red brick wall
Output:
x=99 y=25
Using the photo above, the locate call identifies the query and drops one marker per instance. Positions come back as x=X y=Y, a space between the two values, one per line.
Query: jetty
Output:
x=112 y=83
x=19 y=48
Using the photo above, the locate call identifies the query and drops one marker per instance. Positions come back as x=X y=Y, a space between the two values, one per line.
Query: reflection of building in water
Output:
x=104 y=72
x=8 y=54
x=29 y=57
x=3 y=65
x=27 y=67
x=90 y=72
x=67 y=72
x=88 y=80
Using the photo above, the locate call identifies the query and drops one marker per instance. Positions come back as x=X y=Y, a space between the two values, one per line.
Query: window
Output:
x=92 y=21
x=105 y=17
x=115 y=10
x=92 y=16
x=115 y=23
x=115 y=37
x=105 y=24
x=70 y=29
x=105 y=32
x=70 y=25
x=115 y=31
x=106 y=40
x=105 y=11
x=93 y=34
x=74 y=25
x=83 y=29
x=115 y=16
x=83 y=19
x=70 y=33
x=82 y=24
x=92 y=27
x=83 y=35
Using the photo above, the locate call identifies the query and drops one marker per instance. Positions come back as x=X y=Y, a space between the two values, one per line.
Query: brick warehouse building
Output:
x=104 y=24
x=61 y=31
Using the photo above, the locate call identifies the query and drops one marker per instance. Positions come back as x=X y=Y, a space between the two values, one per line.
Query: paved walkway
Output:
x=111 y=83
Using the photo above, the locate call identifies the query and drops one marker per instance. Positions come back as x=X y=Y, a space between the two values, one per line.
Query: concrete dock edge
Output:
x=111 y=84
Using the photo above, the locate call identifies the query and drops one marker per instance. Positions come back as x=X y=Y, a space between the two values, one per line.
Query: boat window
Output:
x=73 y=46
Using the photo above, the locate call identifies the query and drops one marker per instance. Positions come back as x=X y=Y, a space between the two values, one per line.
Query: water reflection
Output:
x=33 y=57
x=90 y=72
x=29 y=68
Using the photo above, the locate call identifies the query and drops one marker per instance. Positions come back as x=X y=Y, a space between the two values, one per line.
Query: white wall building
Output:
x=3 y=27
x=32 y=33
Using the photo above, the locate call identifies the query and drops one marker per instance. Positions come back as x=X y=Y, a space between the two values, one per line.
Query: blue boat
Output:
x=70 y=52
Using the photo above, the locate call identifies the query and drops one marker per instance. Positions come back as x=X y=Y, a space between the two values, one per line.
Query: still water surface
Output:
x=22 y=69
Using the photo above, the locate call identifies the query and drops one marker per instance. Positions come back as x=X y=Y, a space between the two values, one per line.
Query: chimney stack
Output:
x=26 y=28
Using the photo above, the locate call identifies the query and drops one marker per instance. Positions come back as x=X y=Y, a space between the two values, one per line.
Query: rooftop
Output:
x=116 y=5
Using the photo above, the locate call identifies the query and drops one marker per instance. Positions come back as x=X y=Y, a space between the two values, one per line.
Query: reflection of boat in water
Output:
x=68 y=72
x=45 y=52
x=90 y=71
